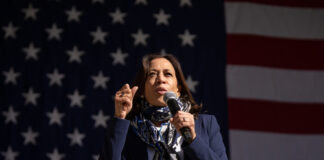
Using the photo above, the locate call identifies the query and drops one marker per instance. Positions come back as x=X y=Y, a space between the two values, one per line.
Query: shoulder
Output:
x=206 y=118
x=207 y=121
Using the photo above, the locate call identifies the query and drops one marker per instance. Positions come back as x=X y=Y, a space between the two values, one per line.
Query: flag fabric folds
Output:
x=274 y=76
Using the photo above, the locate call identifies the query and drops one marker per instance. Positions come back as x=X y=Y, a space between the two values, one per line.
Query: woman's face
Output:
x=161 y=78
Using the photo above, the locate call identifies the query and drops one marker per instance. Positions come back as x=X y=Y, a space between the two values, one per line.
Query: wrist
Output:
x=121 y=116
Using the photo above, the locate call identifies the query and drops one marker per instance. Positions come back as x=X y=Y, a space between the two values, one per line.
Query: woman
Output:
x=143 y=128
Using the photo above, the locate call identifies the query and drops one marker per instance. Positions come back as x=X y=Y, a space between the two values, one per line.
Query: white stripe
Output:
x=274 y=21
x=251 y=82
x=247 y=145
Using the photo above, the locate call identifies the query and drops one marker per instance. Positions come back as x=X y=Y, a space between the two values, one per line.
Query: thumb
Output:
x=134 y=90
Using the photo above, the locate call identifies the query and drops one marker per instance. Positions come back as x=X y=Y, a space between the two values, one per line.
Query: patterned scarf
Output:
x=164 y=144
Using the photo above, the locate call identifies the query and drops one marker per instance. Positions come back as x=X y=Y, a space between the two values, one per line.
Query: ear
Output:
x=179 y=90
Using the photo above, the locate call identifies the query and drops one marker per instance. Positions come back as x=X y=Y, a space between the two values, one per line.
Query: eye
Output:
x=151 y=74
x=168 y=74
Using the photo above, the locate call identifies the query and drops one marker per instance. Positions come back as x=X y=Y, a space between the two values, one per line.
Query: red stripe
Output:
x=287 y=3
x=276 y=117
x=275 y=52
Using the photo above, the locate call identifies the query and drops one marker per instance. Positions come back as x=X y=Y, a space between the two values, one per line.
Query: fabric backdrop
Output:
x=275 y=79
x=62 y=61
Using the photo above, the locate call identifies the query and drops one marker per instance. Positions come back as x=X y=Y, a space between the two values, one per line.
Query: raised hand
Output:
x=124 y=101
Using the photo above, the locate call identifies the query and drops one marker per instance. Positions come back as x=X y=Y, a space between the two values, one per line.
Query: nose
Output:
x=160 y=78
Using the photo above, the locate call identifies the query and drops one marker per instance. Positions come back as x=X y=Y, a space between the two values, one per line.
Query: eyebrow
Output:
x=163 y=70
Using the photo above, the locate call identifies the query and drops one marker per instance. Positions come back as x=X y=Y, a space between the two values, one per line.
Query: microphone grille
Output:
x=169 y=95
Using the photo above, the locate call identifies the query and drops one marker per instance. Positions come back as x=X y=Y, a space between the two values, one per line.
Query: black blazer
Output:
x=122 y=143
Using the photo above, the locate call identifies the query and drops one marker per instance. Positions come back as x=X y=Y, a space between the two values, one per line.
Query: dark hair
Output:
x=141 y=77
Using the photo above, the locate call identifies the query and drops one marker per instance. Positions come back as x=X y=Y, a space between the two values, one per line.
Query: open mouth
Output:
x=160 y=90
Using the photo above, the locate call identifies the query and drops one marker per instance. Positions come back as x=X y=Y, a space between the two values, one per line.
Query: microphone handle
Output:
x=185 y=131
x=173 y=106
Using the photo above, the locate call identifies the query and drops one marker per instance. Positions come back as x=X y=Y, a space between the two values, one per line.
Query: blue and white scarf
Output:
x=144 y=127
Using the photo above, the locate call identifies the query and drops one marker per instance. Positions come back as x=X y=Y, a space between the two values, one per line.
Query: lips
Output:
x=160 y=90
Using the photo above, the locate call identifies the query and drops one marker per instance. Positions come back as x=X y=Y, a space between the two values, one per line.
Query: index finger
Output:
x=134 y=90
x=125 y=86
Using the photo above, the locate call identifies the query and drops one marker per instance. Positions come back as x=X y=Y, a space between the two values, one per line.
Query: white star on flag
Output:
x=55 y=78
x=98 y=36
x=75 y=55
x=55 y=155
x=54 y=32
x=10 y=31
x=31 y=52
x=76 y=99
x=30 y=136
x=30 y=12
x=98 y=1
x=187 y=38
x=117 y=16
x=73 y=14
x=76 y=137
x=185 y=3
x=55 y=117
x=100 y=80
x=100 y=119
x=162 y=18
x=95 y=157
x=11 y=76
x=140 y=37
x=119 y=57
x=191 y=84
x=9 y=154
x=163 y=52
x=30 y=97
x=137 y=2
x=10 y=115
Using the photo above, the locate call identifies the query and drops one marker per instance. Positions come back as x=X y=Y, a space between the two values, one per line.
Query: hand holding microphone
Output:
x=183 y=121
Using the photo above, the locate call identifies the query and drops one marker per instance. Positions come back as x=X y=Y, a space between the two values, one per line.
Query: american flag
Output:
x=275 y=79
x=61 y=62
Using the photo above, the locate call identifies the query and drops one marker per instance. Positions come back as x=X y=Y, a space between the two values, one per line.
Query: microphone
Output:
x=170 y=99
